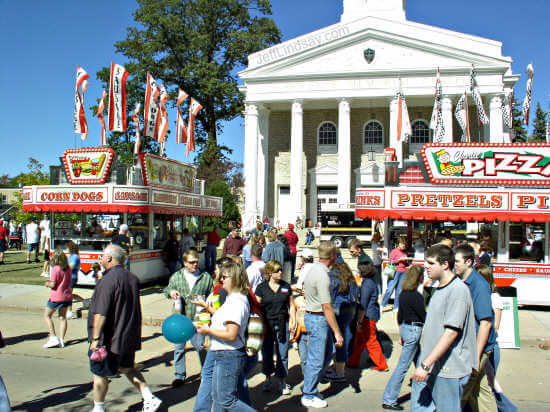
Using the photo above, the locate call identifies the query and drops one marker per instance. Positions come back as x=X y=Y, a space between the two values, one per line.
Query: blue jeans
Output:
x=210 y=258
x=4 y=400
x=219 y=384
x=409 y=354
x=394 y=284
x=320 y=351
x=281 y=351
x=172 y=266
x=503 y=403
x=302 y=351
x=344 y=319
x=179 y=355
x=444 y=394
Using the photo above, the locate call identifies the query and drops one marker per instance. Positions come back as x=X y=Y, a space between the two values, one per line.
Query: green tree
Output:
x=520 y=133
x=36 y=175
x=230 y=210
x=198 y=46
x=539 y=125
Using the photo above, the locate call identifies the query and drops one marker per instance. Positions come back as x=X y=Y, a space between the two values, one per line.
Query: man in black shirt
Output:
x=124 y=242
x=114 y=323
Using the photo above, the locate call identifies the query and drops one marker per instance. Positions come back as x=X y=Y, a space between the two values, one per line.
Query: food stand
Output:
x=154 y=197
x=502 y=190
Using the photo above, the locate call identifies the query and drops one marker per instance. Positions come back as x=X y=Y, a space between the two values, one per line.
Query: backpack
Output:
x=255 y=328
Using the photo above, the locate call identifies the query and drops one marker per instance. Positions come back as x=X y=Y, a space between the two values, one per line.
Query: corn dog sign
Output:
x=88 y=165
x=487 y=164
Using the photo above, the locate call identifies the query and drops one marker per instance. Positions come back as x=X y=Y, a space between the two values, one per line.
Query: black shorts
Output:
x=2 y=245
x=110 y=365
x=46 y=255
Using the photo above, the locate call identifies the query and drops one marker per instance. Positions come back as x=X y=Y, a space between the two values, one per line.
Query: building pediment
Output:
x=325 y=169
x=339 y=50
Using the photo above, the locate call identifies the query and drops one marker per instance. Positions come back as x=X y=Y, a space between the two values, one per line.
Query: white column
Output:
x=447 y=114
x=496 y=132
x=397 y=145
x=263 y=141
x=296 y=160
x=344 y=153
x=313 y=196
x=546 y=240
x=250 y=166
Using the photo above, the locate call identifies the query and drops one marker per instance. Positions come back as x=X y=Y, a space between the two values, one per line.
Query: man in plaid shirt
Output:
x=183 y=284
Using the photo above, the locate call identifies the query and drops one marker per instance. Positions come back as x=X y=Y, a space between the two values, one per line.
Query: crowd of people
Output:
x=324 y=309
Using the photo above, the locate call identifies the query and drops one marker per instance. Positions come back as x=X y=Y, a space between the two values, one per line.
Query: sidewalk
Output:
x=534 y=324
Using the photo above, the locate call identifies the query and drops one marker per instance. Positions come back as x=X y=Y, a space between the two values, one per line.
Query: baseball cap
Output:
x=306 y=253
x=123 y=227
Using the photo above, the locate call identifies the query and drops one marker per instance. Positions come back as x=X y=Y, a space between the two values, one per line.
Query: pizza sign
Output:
x=88 y=165
x=520 y=164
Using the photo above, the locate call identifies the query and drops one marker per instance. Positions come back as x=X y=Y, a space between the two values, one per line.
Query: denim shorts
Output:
x=58 y=305
x=111 y=364
x=32 y=246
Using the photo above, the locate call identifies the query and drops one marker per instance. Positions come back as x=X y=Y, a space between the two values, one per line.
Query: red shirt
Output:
x=3 y=233
x=397 y=254
x=292 y=238
x=213 y=238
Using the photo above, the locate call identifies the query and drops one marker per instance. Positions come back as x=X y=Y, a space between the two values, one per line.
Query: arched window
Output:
x=374 y=133
x=420 y=132
x=327 y=134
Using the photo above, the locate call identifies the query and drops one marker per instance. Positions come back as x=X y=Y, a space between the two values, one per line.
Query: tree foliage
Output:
x=520 y=133
x=198 y=46
x=230 y=209
x=36 y=175
x=539 y=125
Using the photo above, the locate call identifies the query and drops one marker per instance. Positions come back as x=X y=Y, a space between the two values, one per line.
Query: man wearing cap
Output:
x=304 y=267
x=124 y=241
x=292 y=238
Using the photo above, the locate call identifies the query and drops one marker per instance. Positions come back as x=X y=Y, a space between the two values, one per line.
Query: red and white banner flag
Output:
x=100 y=110
x=151 y=108
x=194 y=108
x=463 y=117
x=117 y=98
x=181 y=129
x=507 y=107
x=482 y=116
x=80 y=124
x=528 y=94
x=436 y=124
x=135 y=118
x=404 y=130
x=163 y=122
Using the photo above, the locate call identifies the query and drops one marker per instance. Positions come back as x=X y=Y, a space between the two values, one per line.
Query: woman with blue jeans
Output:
x=226 y=358
x=410 y=316
x=345 y=296
x=400 y=259
x=279 y=312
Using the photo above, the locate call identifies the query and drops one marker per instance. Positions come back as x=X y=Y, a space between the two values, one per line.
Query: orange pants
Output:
x=365 y=338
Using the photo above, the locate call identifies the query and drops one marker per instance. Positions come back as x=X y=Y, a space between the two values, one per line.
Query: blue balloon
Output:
x=178 y=328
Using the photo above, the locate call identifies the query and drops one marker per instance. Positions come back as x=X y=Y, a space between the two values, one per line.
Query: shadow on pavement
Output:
x=14 y=340
x=75 y=393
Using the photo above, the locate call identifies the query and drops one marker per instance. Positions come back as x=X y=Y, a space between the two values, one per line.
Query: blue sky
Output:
x=43 y=42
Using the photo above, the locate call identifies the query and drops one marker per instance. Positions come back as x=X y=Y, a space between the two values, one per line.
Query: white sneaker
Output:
x=152 y=404
x=52 y=342
x=314 y=402
x=285 y=388
x=61 y=343
x=70 y=314
x=45 y=274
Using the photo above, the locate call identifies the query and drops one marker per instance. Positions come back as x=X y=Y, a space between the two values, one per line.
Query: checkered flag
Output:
x=507 y=103
x=528 y=94
x=474 y=89
x=462 y=116
x=436 y=124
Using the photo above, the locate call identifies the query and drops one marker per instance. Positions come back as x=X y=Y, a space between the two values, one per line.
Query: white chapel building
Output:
x=321 y=108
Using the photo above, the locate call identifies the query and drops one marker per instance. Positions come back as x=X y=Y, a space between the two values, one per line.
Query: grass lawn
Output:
x=17 y=270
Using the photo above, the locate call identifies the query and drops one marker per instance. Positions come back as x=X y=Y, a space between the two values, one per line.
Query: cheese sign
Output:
x=486 y=164
x=88 y=165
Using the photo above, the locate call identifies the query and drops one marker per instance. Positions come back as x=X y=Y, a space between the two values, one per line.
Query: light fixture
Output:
x=371 y=154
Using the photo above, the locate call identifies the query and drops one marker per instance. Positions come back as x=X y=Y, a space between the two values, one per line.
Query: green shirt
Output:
x=203 y=286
